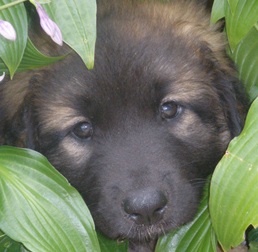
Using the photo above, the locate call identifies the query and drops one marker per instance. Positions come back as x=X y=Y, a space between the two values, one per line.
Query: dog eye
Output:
x=83 y=130
x=169 y=110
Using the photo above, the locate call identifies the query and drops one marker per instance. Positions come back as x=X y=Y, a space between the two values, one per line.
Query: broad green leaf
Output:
x=11 y=52
x=3 y=67
x=233 y=5
x=9 y=245
x=77 y=21
x=39 y=208
x=108 y=245
x=243 y=38
x=218 y=10
x=246 y=58
x=32 y=59
x=241 y=16
x=196 y=236
x=234 y=188
x=253 y=240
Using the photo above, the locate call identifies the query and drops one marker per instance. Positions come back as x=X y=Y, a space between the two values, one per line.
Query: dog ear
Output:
x=18 y=130
x=16 y=125
x=209 y=46
x=230 y=90
x=223 y=78
x=234 y=102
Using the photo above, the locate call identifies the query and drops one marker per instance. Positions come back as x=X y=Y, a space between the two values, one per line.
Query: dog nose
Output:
x=146 y=206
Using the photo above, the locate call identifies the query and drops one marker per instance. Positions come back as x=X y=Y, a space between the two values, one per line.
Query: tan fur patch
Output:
x=58 y=118
x=188 y=20
x=14 y=92
x=77 y=152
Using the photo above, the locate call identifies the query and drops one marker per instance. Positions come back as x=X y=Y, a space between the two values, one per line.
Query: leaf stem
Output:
x=11 y=4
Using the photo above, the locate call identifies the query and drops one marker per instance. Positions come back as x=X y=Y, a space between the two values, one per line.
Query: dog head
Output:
x=138 y=134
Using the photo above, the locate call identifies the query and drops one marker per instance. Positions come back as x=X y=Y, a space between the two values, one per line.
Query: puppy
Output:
x=138 y=134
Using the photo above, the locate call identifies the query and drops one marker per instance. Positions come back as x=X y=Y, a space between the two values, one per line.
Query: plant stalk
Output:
x=11 y=4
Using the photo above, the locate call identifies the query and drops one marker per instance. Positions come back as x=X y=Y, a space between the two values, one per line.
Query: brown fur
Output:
x=149 y=57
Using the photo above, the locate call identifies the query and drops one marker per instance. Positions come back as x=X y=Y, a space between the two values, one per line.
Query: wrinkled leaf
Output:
x=51 y=215
x=218 y=10
x=77 y=21
x=3 y=67
x=11 y=52
x=197 y=236
x=107 y=245
x=241 y=16
x=9 y=245
x=241 y=27
x=32 y=59
x=253 y=240
x=246 y=58
x=233 y=5
x=234 y=187
x=35 y=59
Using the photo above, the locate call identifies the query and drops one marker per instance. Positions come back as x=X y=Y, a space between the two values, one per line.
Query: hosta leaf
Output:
x=234 y=187
x=3 y=67
x=253 y=240
x=108 y=245
x=241 y=16
x=9 y=245
x=11 y=52
x=77 y=21
x=246 y=58
x=196 y=236
x=233 y=6
x=32 y=59
x=218 y=10
x=39 y=208
x=35 y=59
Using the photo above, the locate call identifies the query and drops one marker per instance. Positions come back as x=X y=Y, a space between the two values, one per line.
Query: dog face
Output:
x=138 y=134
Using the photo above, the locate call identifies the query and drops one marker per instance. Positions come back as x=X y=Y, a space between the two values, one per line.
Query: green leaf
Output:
x=32 y=59
x=241 y=28
x=233 y=5
x=246 y=58
x=108 y=245
x=241 y=16
x=3 y=67
x=253 y=240
x=77 y=21
x=196 y=236
x=9 y=245
x=35 y=59
x=51 y=215
x=234 y=187
x=11 y=52
x=218 y=10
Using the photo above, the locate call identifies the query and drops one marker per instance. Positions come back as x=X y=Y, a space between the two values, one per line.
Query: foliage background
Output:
x=52 y=216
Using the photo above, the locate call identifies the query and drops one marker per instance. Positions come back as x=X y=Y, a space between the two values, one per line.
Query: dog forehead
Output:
x=128 y=74
x=118 y=83
x=113 y=105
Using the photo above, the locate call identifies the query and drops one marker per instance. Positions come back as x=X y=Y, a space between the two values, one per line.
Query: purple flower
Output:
x=49 y=26
x=7 y=30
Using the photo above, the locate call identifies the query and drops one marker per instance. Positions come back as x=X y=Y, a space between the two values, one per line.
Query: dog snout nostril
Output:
x=146 y=206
